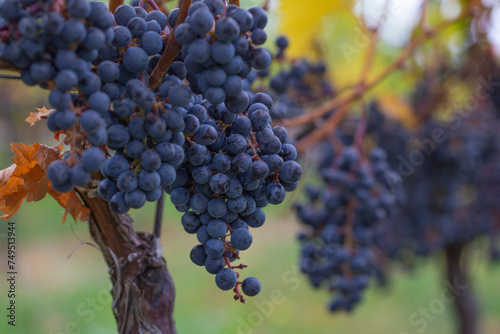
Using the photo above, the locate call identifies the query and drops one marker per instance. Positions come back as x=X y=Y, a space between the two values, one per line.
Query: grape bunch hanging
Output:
x=201 y=135
x=341 y=216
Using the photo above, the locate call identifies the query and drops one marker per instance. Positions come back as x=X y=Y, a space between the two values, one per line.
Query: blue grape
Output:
x=198 y=255
x=106 y=189
x=148 y=180
x=227 y=29
x=217 y=208
x=135 y=199
x=260 y=59
x=66 y=79
x=158 y=16
x=123 y=14
x=59 y=99
x=179 y=196
x=151 y=42
x=198 y=203
x=126 y=182
x=214 y=248
x=290 y=172
x=123 y=37
x=223 y=52
x=99 y=101
x=116 y=165
x=73 y=31
x=256 y=219
x=226 y=279
x=184 y=34
x=201 y=21
x=92 y=159
x=58 y=172
x=213 y=266
x=259 y=36
x=108 y=71
x=236 y=144
x=219 y=183
x=135 y=60
x=95 y=39
x=237 y=205
x=117 y=203
x=118 y=136
x=241 y=239
x=203 y=236
x=202 y=174
x=154 y=27
x=137 y=27
x=217 y=228
x=259 y=17
x=190 y=221
x=251 y=286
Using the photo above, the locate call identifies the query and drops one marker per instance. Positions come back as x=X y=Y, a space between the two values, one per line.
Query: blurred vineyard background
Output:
x=57 y=294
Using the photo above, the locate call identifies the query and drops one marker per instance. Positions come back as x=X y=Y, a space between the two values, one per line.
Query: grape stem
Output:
x=361 y=129
x=113 y=4
x=149 y=2
x=265 y=5
x=238 y=294
x=171 y=51
x=234 y=2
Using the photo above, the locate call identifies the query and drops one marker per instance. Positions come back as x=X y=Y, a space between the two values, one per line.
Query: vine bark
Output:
x=143 y=290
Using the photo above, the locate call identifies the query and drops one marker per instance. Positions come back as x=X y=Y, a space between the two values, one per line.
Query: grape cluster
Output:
x=202 y=136
x=235 y=165
x=448 y=180
x=342 y=216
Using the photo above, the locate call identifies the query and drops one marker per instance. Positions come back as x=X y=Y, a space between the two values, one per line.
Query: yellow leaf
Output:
x=40 y=114
x=396 y=108
x=303 y=23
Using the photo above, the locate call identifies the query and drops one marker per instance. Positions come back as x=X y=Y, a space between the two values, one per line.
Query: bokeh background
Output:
x=64 y=288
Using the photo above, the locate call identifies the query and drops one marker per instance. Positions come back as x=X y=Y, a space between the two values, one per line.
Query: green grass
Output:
x=59 y=295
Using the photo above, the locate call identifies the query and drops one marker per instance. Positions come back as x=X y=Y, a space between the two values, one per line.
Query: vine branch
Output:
x=360 y=90
x=159 y=215
x=234 y=2
x=172 y=49
x=113 y=4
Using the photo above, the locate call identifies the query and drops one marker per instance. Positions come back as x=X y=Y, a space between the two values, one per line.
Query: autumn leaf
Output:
x=27 y=180
x=40 y=114
x=303 y=23
x=12 y=192
x=397 y=108
x=72 y=204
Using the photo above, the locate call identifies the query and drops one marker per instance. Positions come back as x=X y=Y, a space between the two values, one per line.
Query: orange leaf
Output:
x=6 y=173
x=26 y=178
x=71 y=204
x=12 y=193
x=36 y=116
x=36 y=184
